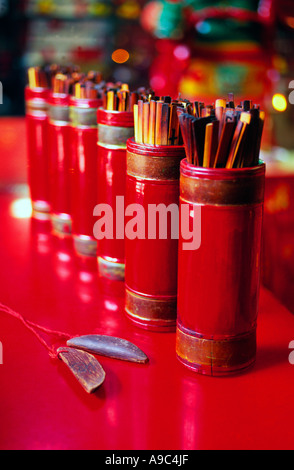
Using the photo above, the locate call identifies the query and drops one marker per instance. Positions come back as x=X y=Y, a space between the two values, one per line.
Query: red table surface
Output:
x=161 y=405
x=158 y=406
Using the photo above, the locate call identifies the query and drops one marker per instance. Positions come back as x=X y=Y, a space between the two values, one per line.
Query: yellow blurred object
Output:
x=46 y=7
x=129 y=9
x=280 y=64
x=100 y=9
x=279 y=102
x=279 y=201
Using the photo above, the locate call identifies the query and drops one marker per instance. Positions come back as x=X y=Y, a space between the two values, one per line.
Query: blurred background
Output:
x=202 y=49
x=83 y=32
x=198 y=47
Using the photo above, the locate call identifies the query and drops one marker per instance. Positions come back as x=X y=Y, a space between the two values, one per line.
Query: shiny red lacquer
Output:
x=218 y=283
x=114 y=129
x=60 y=160
x=84 y=166
x=151 y=264
x=38 y=150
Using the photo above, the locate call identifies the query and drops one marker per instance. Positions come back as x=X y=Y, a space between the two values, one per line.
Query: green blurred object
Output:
x=231 y=77
x=213 y=30
x=250 y=5
x=171 y=23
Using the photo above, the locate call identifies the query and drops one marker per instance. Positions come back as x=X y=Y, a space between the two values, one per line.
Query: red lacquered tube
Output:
x=83 y=117
x=38 y=152
x=151 y=262
x=60 y=162
x=114 y=129
x=218 y=283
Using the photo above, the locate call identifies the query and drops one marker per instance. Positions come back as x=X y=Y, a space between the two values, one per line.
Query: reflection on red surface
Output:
x=63 y=256
x=86 y=283
x=191 y=409
x=21 y=208
x=110 y=305
x=41 y=235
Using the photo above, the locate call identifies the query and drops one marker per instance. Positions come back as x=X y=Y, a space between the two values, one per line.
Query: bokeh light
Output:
x=21 y=208
x=182 y=52
x=120 y=56
x=279 y=102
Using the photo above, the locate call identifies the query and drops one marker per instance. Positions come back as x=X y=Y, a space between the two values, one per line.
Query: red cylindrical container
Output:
x=114 y=129
x=60 y=162
x=219 y=280
x=152 y=257
x=83 y=117
x=38 y=152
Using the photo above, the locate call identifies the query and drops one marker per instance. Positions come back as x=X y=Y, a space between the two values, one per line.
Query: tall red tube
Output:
x=218 y=283
x=60 y=163
x=38 y=152
x=114 y=129
x=83 y=117
x=151 y=262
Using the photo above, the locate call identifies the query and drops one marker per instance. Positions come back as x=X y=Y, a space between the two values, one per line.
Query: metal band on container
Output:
x=218 y=355
x=83 y=117
x=41 y=210
x=85 y=245
x=166 y=168
x=144 y=309
x=230 y=192
x=37 y=108
x=114 y=136
x=111 y=270
x=61 y=223
x=59 y=115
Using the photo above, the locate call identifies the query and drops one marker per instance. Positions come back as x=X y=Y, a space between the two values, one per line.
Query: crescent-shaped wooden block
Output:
x=84 y=367
x=109 y=346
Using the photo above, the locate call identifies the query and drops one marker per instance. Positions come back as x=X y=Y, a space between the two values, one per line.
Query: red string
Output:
x=33 y=327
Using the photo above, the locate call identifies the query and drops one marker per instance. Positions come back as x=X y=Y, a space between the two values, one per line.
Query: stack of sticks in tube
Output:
x=70 y=80
x=222 y=135
x=89 y=86
x=53 y=76
x=156 y=120
x=219 y=135
x=67 y=80
x=118 y=97
x=38 y=77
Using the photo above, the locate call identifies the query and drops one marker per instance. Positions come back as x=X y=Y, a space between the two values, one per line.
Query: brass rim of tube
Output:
x=166 y=168
x=221 y=355
x=146 y=309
